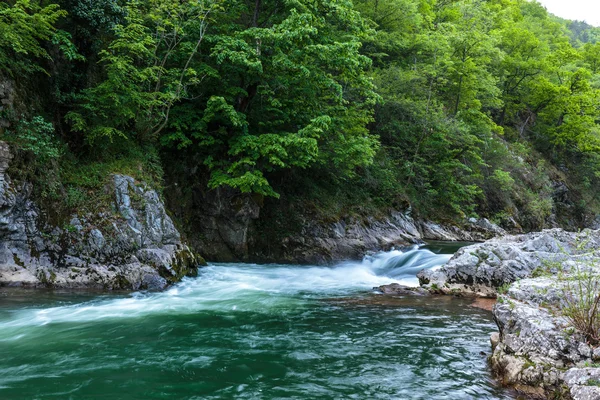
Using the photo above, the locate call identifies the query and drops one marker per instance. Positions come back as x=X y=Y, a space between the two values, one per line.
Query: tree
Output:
x=254 y=88
x=24 y=26
x=149 y=67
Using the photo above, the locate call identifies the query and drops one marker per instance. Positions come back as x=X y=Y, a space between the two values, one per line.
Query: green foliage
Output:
x=63 y=40
x=24 y=25
x=504 y=288
x=148 y=69
x=503 y=180
x=457 y=108
x=468 y=87
x=286 y=89
x=34 y=136
x=593 y=382
x=581 y=298
x=96 y=16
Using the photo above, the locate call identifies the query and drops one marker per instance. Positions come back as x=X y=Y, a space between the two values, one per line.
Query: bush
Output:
x=35 y=136
x=581 y=297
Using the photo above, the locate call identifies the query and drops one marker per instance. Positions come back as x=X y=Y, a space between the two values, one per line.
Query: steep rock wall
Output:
x=134 y=246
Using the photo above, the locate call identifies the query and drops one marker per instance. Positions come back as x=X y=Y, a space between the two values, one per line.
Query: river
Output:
x=246 y=331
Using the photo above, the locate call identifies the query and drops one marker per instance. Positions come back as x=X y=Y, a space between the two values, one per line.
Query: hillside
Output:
x=268 y=117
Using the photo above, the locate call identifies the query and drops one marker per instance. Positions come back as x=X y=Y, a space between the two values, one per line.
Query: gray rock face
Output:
x=7 y=98
x=223 y=219
x=583 y=383
x=395 y=289
x=352 y=238
x=481 y=268
x=135 y=247
x=538 y=351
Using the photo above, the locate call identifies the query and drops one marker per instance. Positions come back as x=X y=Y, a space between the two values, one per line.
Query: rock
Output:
x=222 y=222
x=396 y=289
x=596 y=354
x=537 y=344
x=352 y=238
x=494 y=339
x=594 y=223
x=537 y=350
x=487 y=226
x=583 y=383
x=434 y=231
x=7 y=99
x=136 y=248
x=480 y=269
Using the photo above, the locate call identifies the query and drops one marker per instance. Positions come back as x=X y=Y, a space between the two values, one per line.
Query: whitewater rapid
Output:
x=244 y=331
x=242 y=287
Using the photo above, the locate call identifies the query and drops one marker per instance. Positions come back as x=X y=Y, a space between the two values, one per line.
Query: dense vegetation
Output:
x=456 y=107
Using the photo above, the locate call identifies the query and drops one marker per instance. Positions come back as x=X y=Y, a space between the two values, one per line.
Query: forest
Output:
x=450 y=108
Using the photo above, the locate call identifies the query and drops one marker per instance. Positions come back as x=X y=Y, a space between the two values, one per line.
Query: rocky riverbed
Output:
x=535 y=277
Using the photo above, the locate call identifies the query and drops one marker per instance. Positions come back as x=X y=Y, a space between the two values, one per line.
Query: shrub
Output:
x=581 y=302
x=35 y=136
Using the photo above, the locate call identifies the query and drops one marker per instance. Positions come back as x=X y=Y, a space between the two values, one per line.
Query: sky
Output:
x=582 y=10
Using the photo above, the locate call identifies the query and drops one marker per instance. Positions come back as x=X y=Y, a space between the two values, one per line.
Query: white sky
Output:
x=582 y=10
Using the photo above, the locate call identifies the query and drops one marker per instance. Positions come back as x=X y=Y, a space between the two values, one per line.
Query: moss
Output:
x=76 y=184
x=120 y=282
x=529 y=363
x=46 y=279
x=138 y=201
x=18 y=261
x=504 y=288
x=185 y=263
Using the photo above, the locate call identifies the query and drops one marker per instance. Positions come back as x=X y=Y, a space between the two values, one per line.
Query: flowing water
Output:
x=244 y=331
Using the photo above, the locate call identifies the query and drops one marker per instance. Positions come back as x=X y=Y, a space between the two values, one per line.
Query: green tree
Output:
x=24 y=26
x=149 y=67
x=254 y=88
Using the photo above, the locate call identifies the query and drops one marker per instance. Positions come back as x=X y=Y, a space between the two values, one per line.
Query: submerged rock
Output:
x=136 y=246
x=396 y=289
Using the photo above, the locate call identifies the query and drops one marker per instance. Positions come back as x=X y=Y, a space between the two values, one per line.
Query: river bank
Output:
x=542 y=282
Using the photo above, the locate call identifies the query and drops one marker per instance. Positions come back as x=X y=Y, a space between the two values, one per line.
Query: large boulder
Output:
x=482 y=268
x=538 y=350
x=131 y=245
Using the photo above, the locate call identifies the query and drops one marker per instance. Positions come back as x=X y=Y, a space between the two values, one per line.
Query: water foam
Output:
x=245 y=287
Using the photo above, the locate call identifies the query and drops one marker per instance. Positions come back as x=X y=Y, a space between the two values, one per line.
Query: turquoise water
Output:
x=242 y=331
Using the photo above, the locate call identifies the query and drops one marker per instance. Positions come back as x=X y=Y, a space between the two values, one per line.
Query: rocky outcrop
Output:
x=538 y=350
x=7 y=99
x=480 y=269
x=352 y=238
x=131 y=245
x=225 y=219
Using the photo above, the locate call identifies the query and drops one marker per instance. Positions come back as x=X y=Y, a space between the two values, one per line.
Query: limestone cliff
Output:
x=133 y=245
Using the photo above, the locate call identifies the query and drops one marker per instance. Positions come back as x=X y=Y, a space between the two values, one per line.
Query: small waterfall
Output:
x=403 y=266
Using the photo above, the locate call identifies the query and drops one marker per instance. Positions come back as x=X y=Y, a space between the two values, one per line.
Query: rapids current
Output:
x=251 y=332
